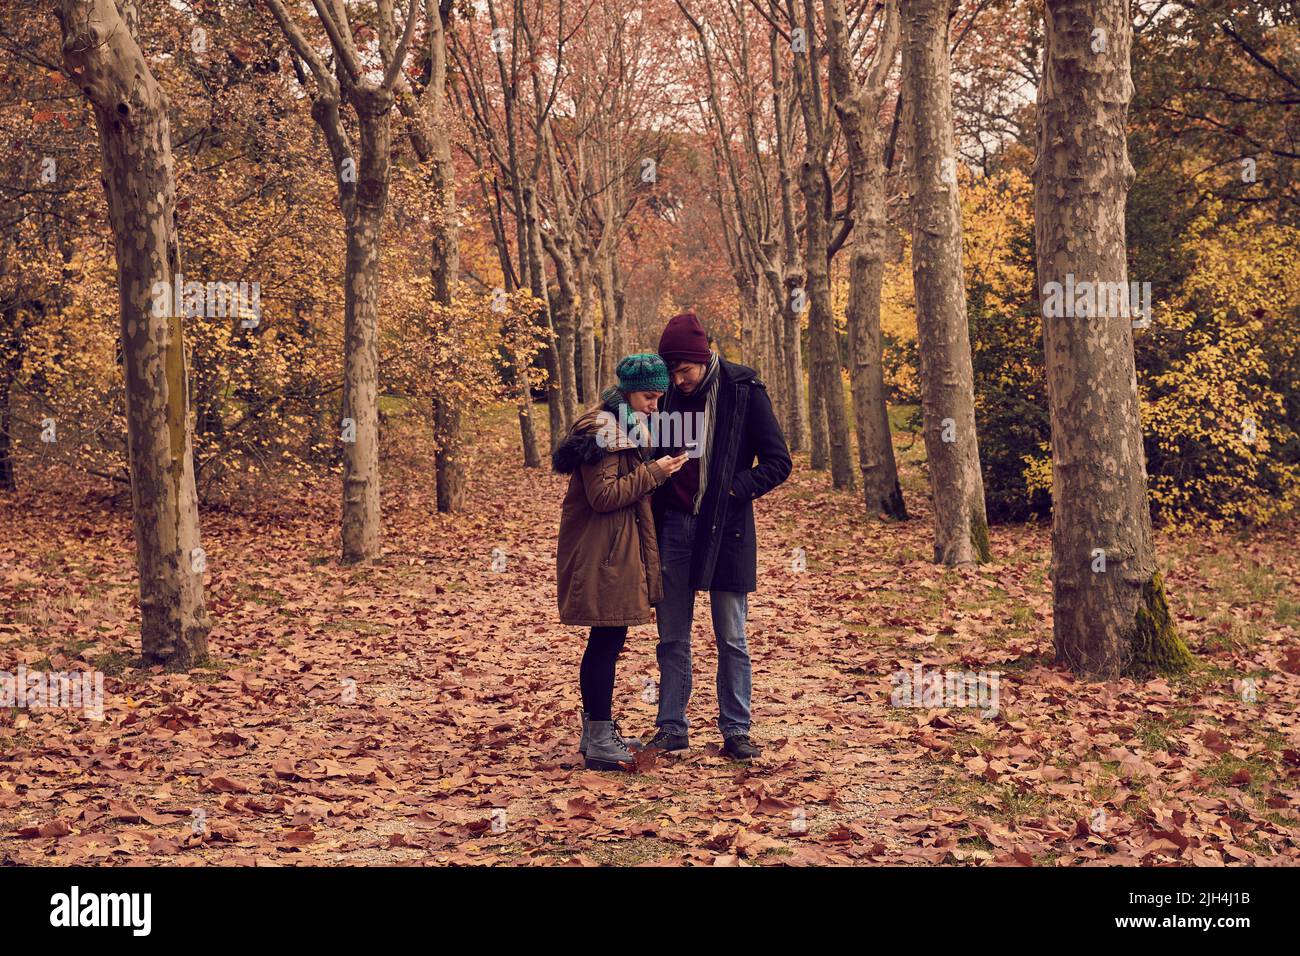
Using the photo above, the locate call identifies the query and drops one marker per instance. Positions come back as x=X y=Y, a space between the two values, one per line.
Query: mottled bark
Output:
x=619 y=282
x=747 y=314
x=830 y=430
x=527 y=424
x=1110 y=613
x=130 y=110
x=610 y=346
x=830 y=435
x=361 y=515
x=360 y=408
x=444 y=256
x=362 y=177
x=524 y=374
x=564 y=308
x=527 y=430
x=791 y=273
x=769 y=314
x=881 y=491
x=757 y=229
x=512 y=170
x=522 y=391
x=738 y=241
x=795 y=384
x=587 y=329
x=556 y=412
x=943 y=335
x=857 y=107
x=558 y=242
x=819 y=452
x=449 y=467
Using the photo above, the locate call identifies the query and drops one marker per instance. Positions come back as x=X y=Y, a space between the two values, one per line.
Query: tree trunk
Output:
x=523 y=392
x=10 y=363
x=795 y=388
x=449 y=474
x=559 y=243
x=796 y=408
x=770 y=310
x=826 y=381
x=1110 y=612
x=619 y=283
x=880 y=487
x=527 y=430
x=550 y=359
x=857 y=108
x=362 y=177
x=587 y=330
x=942 y=332
x=609 y=344
x=566 y=325
x=360 y=411
x=8 y=481
x=361 y=514
x=444 y=259
x=829 y=426
x=522 y=367
x=139 y=180
x=747 y=315
x=819 y=454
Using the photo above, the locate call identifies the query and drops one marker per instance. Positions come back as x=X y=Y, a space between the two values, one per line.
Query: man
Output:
x=704 y=519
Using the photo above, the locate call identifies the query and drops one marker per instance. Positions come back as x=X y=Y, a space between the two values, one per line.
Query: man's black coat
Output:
x=725 y=554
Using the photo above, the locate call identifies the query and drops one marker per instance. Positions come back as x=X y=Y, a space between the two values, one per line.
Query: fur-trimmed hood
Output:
x=593 y=435
x=606 y=557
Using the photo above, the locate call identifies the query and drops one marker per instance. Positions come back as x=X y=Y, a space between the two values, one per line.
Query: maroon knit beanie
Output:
x=684 y=340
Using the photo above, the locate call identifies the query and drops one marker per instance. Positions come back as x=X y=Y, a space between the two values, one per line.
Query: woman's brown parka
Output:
x=607 y=558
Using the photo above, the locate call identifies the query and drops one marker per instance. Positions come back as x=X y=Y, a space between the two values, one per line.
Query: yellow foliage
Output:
x=1215 y=412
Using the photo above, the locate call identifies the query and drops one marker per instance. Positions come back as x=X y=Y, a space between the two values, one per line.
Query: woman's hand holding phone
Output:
x=672 y=463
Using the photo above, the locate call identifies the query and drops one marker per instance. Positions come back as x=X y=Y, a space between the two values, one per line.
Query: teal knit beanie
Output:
x=642 y=372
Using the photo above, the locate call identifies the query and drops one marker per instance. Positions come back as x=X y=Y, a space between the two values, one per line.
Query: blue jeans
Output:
x=675 y=615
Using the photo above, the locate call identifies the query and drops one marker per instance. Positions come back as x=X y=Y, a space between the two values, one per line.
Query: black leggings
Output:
x=596 y=677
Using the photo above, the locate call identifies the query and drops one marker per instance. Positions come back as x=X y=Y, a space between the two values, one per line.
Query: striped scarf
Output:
x=709 y=383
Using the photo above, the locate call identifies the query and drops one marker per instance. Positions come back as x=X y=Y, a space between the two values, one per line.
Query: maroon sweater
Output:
x=686 y=482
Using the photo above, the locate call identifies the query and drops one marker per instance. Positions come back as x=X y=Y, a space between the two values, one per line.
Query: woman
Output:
x=607 y=560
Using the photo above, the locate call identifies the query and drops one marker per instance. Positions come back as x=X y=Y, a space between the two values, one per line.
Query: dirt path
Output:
x=423 y=710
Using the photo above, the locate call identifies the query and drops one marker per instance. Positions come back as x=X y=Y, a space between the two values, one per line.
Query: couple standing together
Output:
x=638 y=531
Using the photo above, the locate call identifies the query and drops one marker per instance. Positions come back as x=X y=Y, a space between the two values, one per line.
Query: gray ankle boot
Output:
x=605 y=748
x=631 y=743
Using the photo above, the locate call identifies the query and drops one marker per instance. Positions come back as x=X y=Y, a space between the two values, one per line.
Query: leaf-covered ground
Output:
x=423 y=710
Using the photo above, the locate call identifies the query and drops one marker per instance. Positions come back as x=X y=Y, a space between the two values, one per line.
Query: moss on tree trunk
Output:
x=1157 y=648
x=893 y=506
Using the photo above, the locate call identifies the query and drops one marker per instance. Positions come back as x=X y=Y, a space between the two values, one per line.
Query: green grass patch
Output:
x=359 y=627
x=1228 y=765
x=115 y=663
x=1287 y=612
x=903 y=419
x=1152 y=734
x=1022 y=615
